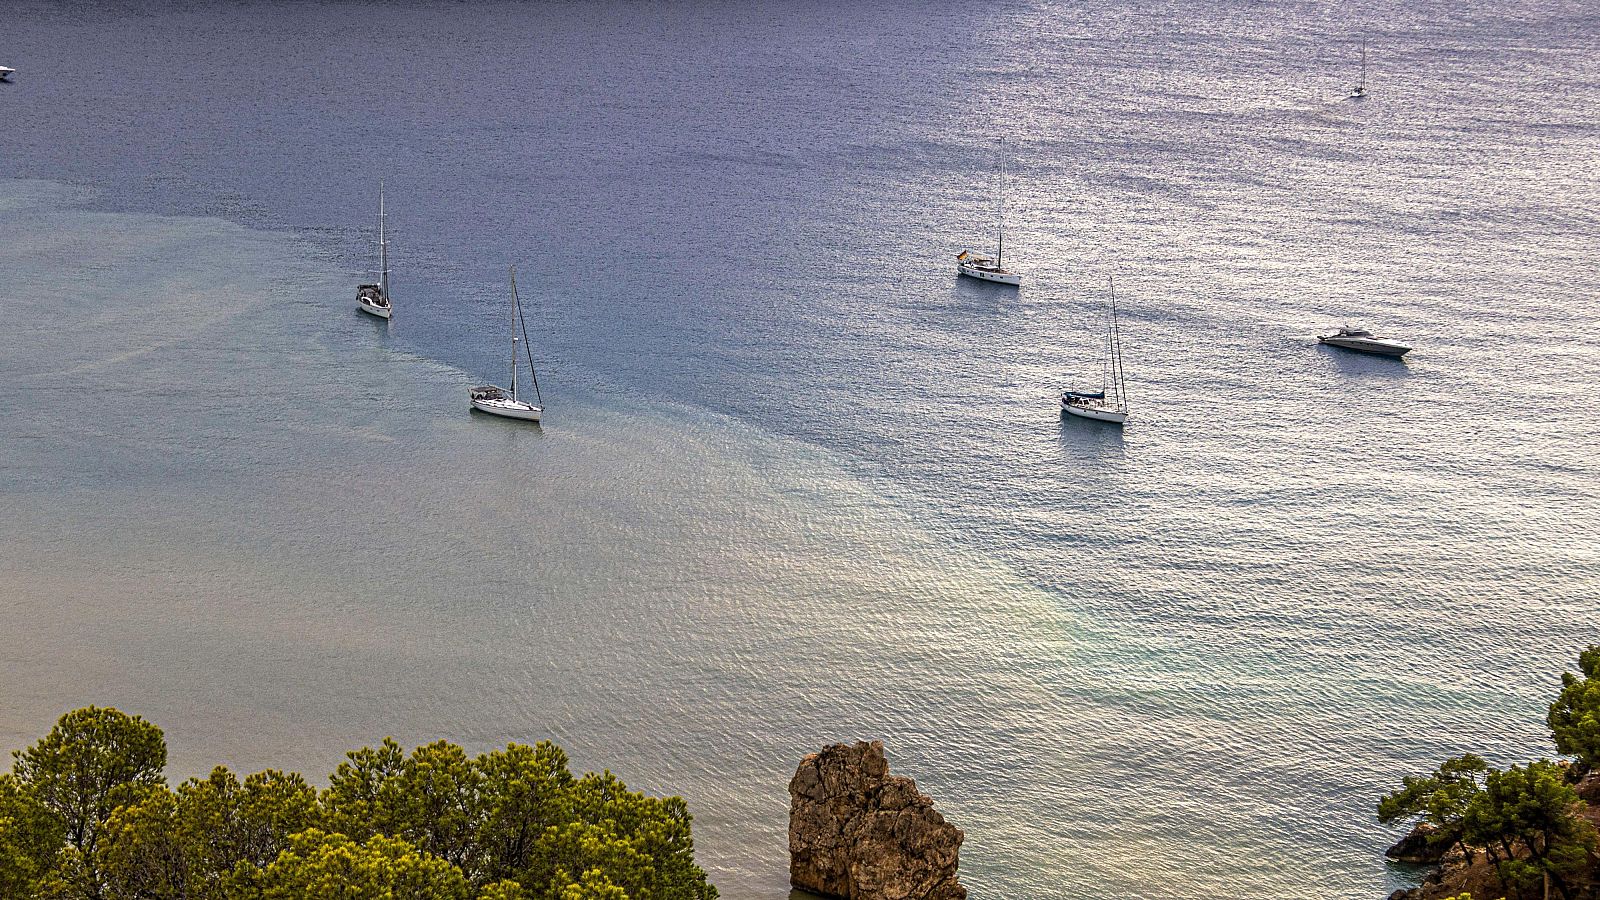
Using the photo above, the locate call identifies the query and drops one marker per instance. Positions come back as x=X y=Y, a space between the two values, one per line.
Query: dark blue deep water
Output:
x=798 y=483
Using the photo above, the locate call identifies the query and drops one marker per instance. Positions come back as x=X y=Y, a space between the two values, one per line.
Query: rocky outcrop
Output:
x=1589 y=788
x=855 y=831
x=1455 y=876
x=1417 y=847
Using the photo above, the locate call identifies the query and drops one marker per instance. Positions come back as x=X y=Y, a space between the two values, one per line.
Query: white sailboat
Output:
x=1110 y=403
x=496 y=400
x=1359 y=92
x=982 y=267
x=374 y=298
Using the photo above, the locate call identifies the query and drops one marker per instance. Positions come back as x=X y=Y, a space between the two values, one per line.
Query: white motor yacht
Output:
x=1363 y=341
x=6 y=73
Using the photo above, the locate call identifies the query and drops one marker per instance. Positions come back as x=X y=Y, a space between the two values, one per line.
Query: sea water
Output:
x=797 y=483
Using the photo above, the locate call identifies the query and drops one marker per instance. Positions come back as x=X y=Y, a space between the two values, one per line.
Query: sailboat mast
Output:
x=1363 y=65
x=527 y=350
x=1109 y=365
x=383 y=248
x=1000 y=253
x=1116 y=349
x=513 y=333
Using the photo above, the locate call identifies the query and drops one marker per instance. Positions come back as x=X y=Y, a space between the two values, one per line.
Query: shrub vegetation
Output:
x=1528 y=820
x=87 y=814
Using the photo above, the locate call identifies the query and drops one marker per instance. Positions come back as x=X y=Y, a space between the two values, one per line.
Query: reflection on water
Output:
x=1092 y=441
x=1364 y=365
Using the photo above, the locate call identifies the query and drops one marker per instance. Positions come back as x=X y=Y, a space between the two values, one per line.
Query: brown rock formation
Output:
x=1456 y=876
x=855 y=831
x=1417 y=846
x=1589 y=788
x=1473 y=873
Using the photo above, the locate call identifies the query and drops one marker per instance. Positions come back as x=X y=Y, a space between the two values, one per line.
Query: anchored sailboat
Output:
x=1360 y=90
x=496 y=400
x=374 y=298
x=982 y=267
x=1110 y=403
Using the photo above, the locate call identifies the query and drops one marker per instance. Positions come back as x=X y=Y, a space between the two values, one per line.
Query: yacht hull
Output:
x=381 y=312
x=1359 y=345
x=1010 y=278
x=508 y=409
x=1096 y=413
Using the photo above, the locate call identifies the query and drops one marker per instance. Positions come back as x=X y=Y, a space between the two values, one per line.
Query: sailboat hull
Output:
x=1096 y=413
x=1011 y=278
x=510 y=409
x=381 y=312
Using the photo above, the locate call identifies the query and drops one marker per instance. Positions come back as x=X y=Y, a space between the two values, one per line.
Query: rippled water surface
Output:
x=797 y=483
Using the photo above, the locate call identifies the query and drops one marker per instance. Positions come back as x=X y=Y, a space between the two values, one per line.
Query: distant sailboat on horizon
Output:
x=982 y=267
x=1359 y=92
x=374 y=298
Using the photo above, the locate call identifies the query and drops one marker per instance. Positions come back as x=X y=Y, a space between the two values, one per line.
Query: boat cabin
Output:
x=371 y=294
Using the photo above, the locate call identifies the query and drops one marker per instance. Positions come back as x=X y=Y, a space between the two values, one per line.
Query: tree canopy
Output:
x=1575 y=715
x=30 y=836
x=1529 y=815
x=1528 y=819
x=1440 y=799
x=87 y=815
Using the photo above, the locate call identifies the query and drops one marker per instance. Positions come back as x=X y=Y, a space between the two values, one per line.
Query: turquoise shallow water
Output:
x=776 y=502
x=261 y=528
